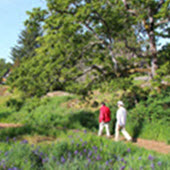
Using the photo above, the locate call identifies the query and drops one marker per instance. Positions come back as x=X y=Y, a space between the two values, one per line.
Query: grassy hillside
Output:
x=60 y=133
x=149 y=119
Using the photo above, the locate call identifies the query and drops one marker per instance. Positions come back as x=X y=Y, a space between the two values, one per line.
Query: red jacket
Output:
x=105 y=114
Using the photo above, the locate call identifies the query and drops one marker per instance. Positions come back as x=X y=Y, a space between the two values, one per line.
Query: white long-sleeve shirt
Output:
x=121 y=116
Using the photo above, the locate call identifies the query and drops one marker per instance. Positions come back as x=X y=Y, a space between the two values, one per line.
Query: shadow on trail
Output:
x=137 y=129
x=12 y=132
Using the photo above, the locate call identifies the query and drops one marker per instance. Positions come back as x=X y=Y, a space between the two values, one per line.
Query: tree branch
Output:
x=162 y=22
x=98 y=68
x=127 y=8
x=161 y=2
x=133 y=49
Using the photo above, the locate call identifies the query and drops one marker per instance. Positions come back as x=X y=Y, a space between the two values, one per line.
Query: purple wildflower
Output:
x=63 y=159
x=95 y=147
x=128 y=150
x=45 y=160
x=152 y=166
x=6 y=153
x=85 y=131
x=150 y=157
x=107 y=162
x=14 y=168
x=139 y=158
x=98 y=157
x=24 y=141
x=76 y=152
x=7 y=139
x=159 y=163
x=122 y=168
x=85 y=150
x=141 y=167
x=110 y=160
x=122 y=159
x=41 y=154
x=90 y=153
x=14 y=139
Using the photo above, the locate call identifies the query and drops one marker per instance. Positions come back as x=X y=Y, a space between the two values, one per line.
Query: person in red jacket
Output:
x=104 y=119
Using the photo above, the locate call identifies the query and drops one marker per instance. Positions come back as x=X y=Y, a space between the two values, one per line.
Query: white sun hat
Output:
x=120 y=103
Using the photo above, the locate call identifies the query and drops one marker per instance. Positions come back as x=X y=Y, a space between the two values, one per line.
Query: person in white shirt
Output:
x=121 y=122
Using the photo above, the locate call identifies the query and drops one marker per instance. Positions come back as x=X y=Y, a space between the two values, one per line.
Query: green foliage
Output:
x=150 y=118
x=4 y=67
x=15 y=103
x=134 y=95
x=43 y=116
x=74 y=44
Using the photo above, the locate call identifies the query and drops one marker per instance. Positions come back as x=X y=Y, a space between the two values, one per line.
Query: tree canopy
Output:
x=74 y=44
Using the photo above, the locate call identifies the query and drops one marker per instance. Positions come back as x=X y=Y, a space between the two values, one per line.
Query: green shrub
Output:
x=15 y=103
x=150 y=118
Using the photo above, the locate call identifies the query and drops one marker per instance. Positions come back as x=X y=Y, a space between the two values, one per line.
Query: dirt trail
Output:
x=160 y=147
x=153 y=145
x=8 y=125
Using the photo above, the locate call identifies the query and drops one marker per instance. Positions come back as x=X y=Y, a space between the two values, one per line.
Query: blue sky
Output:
x=13 y=14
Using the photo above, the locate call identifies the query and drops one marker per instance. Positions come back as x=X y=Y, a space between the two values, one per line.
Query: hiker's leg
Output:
x=107 y=129
x=126 y=134
x=116 y=132
x=101 y=125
